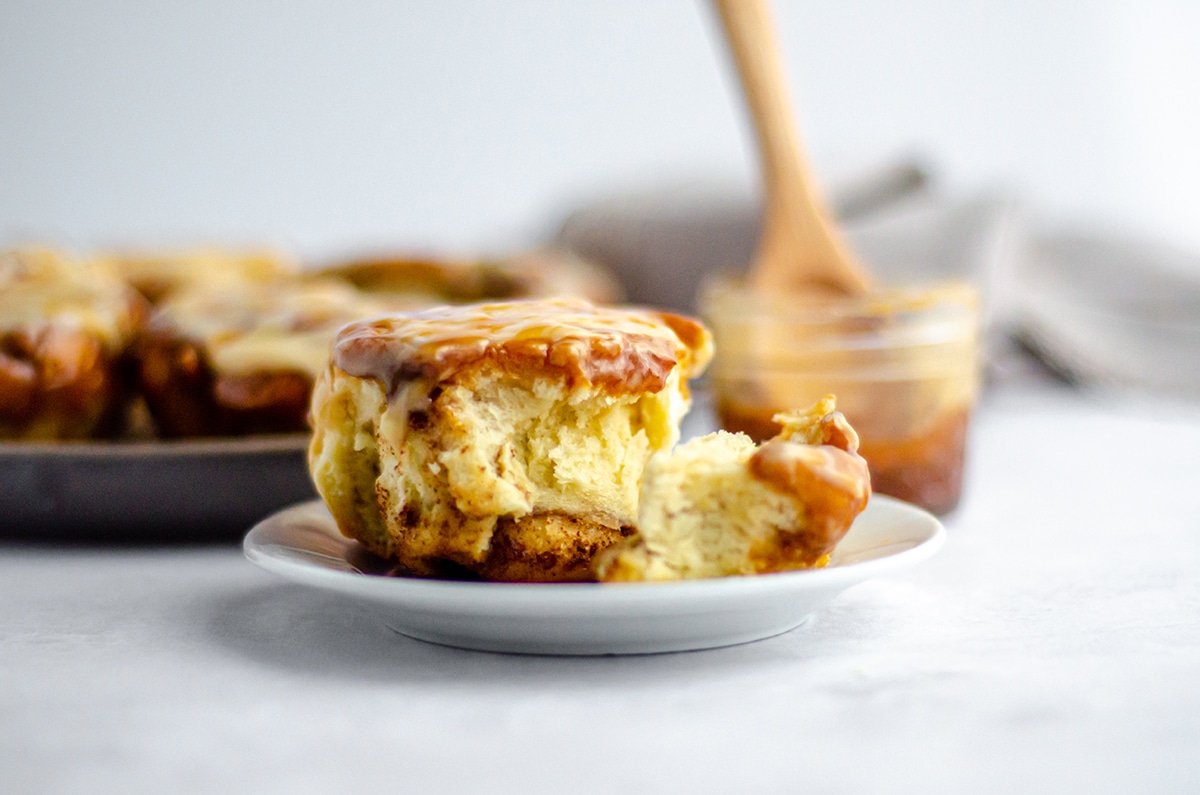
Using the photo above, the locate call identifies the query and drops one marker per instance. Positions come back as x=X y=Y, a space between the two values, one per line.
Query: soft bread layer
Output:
x=719 y=506
x=344 y=457
x=429 y=477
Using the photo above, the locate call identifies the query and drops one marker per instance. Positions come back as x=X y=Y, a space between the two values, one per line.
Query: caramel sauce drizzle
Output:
x=625 y=351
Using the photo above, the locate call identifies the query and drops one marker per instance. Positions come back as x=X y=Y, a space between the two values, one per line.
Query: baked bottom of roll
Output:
x=507 y=477
x=547 y=547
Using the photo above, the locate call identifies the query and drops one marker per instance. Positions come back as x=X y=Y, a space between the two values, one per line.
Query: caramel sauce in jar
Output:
x=903 y=365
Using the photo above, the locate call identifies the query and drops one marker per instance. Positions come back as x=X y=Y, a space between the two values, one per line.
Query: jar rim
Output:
x=726 y=296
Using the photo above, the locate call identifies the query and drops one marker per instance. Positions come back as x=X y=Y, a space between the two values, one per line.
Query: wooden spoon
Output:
x=800 y=248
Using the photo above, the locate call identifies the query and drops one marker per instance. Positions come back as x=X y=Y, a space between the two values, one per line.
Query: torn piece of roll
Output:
x=719 y=506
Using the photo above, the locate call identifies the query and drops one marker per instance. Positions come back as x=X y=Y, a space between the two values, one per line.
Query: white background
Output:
x=457 y=125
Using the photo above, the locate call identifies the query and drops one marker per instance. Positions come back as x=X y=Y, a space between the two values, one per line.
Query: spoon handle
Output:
x=799 y=245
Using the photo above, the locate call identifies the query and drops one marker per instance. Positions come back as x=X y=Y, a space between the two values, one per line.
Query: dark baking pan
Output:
x=148 y=492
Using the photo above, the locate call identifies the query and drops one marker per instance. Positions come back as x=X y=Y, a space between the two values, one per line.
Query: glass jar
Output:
x=904 y=365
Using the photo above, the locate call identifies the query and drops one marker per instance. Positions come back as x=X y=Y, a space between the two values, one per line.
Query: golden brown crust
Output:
x=924 y=467
x=58 y=383
x=540 y=547
x=546 y=547
x=188 y=398
x=216 y=362
x=833 y=479
x=64 y=328
x=625 y=351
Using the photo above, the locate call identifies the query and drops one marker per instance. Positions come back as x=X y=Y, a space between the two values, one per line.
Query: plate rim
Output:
x=582 y=594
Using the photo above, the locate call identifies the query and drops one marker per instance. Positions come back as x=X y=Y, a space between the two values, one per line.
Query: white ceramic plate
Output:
x=302 y=544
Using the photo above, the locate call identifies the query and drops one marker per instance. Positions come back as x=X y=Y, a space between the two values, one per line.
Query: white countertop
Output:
x=1052 y=645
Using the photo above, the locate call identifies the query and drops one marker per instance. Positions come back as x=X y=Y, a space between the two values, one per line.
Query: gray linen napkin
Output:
x=1096 y=308
x=1105 y=309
